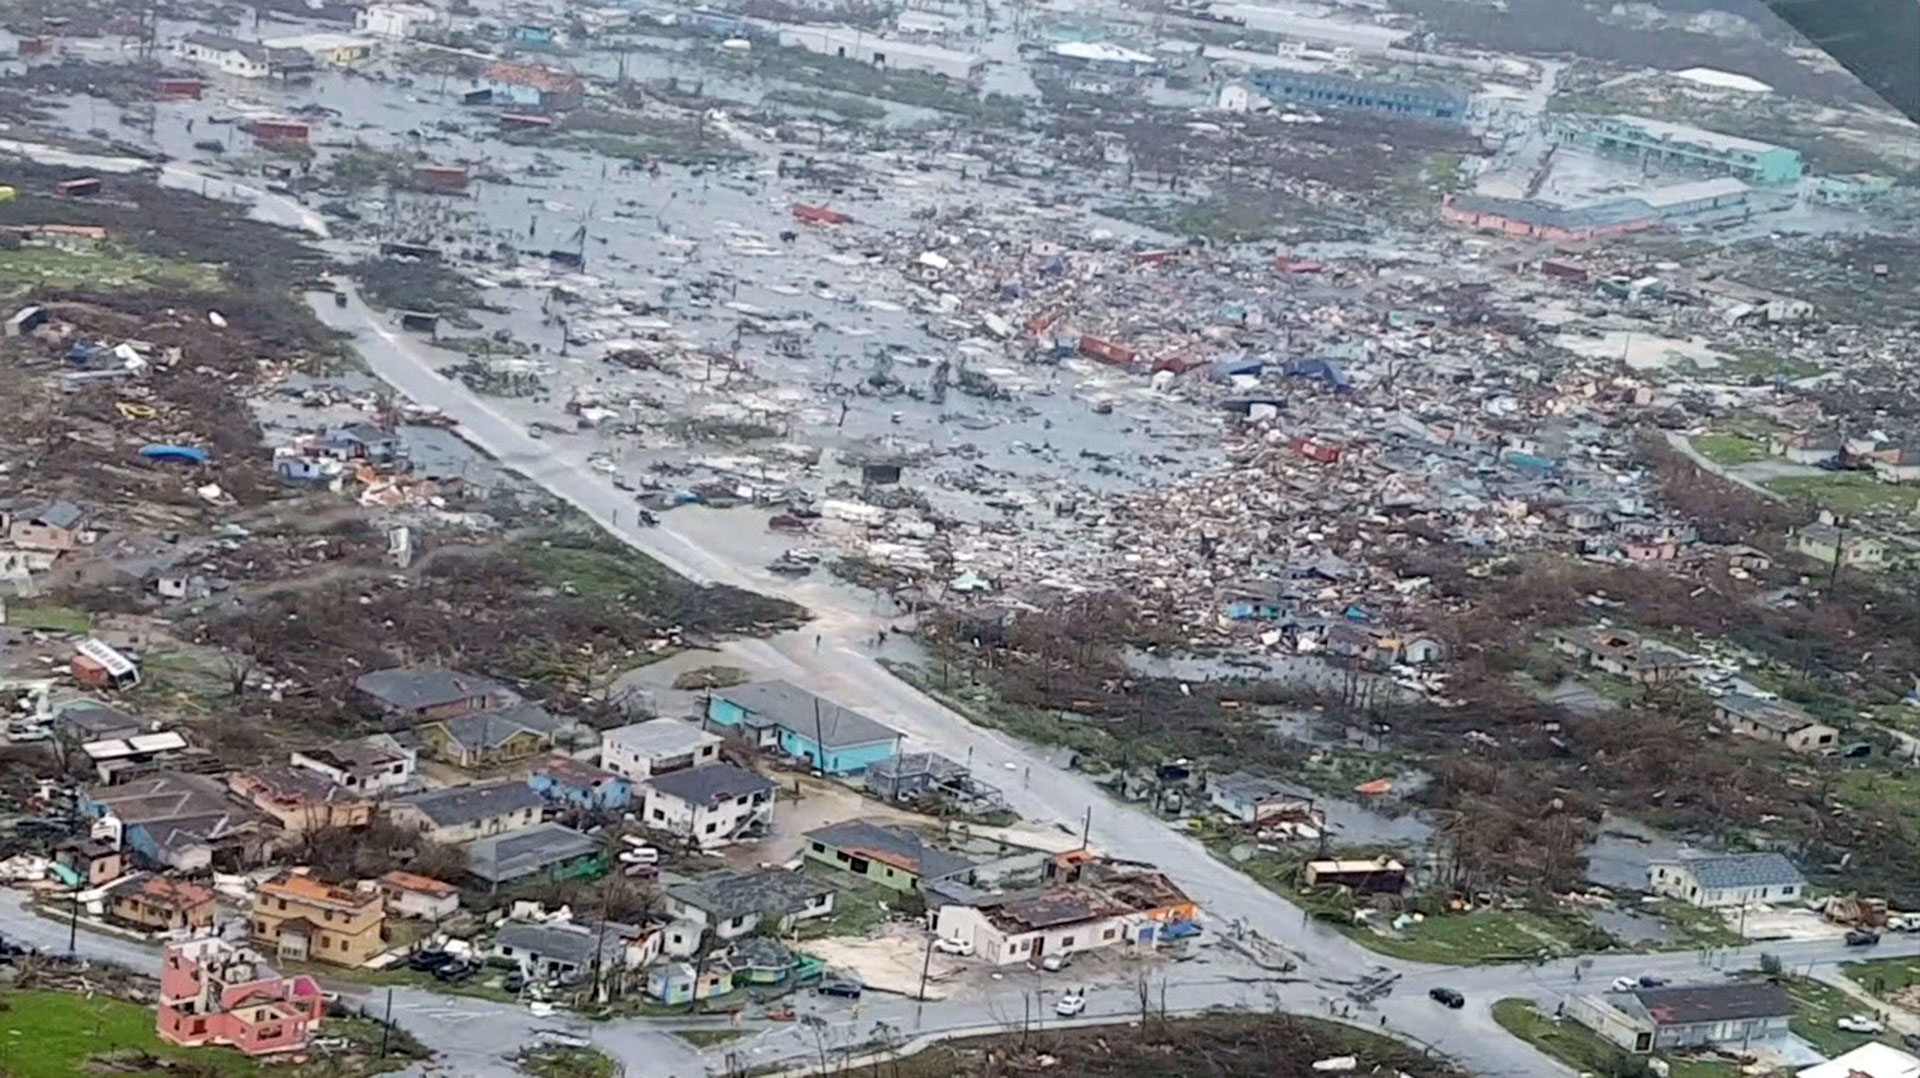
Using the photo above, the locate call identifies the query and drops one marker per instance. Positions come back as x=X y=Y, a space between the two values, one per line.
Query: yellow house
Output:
x=1824 y=542
x=307 y=920
x=488 y=738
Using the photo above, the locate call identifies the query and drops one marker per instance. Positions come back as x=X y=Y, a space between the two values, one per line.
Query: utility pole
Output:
x=1086 y=827
x=386 y=1025
x=73 y=923
x=926 y=965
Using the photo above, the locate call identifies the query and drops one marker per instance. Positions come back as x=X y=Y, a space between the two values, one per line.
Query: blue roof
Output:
x=185 y=454
x=1320 y=367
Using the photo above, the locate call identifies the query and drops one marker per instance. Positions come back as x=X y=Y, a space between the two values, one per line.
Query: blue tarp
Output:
x=182 y=454
x=1324 y=369
x=1179 y=930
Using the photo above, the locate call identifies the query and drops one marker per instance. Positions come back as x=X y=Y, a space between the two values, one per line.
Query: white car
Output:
x=963 y=948
x=1070 y=1004
x=1625 y=984
x=1859 y=1023
x=1055 y=962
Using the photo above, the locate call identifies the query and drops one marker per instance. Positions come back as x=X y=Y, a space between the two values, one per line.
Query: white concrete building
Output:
x=709 y=806
x=397 y=21
x=657 y=747
x=231 y=56
x=1731 y=880
x=870 y=48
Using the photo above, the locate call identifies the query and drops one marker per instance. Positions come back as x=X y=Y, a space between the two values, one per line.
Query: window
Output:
x=819 y=847
x=283 y=903
x=1066 y=943
x=1108 y=934
x=711 y=827
x=1013 y=948
x=659 y=815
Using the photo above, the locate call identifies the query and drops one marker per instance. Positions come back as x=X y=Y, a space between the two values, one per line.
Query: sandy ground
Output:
x=1794 y=924
x=891 y=961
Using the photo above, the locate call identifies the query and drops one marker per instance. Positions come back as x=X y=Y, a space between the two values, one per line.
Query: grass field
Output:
x=61 y=1035
x=47 y=618
x=101 y=267
x=1848 y=492
x=1730 y=449
x=1884 y=976
x=1581 y=1048
x=1817 y=1006
x=1468 y=938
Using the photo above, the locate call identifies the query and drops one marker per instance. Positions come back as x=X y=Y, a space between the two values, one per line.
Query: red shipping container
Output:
x=1107 y=351
x=820 y=215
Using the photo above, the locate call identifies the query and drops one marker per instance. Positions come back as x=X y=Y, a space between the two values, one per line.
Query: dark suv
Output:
x=1447 y=996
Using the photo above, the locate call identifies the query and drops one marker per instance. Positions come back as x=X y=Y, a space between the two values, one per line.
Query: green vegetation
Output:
x=1694 y=928
x=1584 y=1050
x=47 y=1034
x=1477 y=936
x=1730 y=449
x=1743 y=364
x=1816 y=1007
x=1417 y=186
x=1884 y=976
x=1848 y=492
x=1889 y=796
x=567 y=1063
x=858 y=908
x=852 y=108
x=47 y=618
x=1214 y=1044
x=104 y=266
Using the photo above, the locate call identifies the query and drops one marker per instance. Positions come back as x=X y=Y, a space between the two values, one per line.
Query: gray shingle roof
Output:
x=526 y=851
x=1775 y=715
x=1688 y=1005
x=1743 y=870
x=767 y=892
x=487 y=729
x=710 y=785
x=892 y=846
x=60 y=514
x=412 y=689
x=572 y=944
x=806 y=715
x=466 y=804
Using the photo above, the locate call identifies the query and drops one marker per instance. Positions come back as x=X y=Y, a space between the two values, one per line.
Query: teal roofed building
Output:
x=1670 y=145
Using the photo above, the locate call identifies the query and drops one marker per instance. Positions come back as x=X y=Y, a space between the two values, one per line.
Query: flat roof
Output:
x=659 y=737
x=1688 y=133
x=1675 y=194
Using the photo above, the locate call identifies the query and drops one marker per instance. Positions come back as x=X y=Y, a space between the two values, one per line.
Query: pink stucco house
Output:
x=212 y=992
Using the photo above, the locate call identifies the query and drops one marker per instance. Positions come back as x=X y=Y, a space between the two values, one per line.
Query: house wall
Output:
x=1676 y=882
x=1733 y=1033
x=607 y=796
x=633 y=764
x=341 y=937
x=416 y=906
x=708 y=826
x=1002 y=948
x=191 y=859
x=1610 y=1022
x=465 y=832
x=134 y=908
x=899 y=879
x=735 y=927
x=846 y=760
x=42 y=537
x=394 y=777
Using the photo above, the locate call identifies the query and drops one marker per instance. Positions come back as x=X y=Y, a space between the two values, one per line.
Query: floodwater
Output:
x=1619 y=854
x=698 y=252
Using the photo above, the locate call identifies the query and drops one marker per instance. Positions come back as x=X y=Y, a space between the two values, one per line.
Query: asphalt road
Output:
x=830 y=656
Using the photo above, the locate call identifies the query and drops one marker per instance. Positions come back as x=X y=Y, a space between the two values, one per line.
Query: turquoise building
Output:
x=1660 y=143
x=784 y=717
